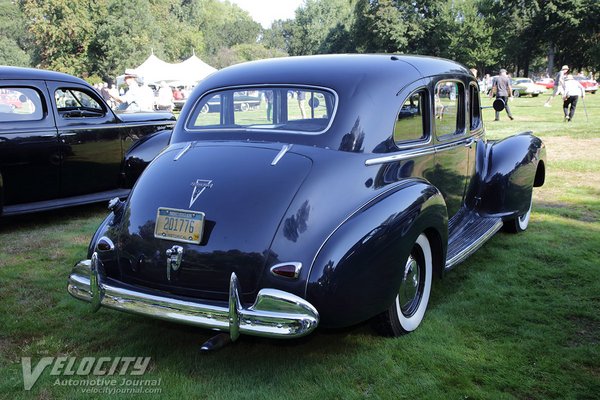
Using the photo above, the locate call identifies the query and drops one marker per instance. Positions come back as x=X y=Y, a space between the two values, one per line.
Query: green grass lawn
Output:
x=520 y=319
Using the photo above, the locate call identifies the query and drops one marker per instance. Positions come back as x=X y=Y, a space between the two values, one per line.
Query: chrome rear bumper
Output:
x=275 y=313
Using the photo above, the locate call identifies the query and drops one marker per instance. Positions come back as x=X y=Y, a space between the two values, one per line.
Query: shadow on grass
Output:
x=51 y=217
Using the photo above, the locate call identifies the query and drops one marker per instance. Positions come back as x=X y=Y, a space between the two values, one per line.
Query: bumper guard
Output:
x=274 y=314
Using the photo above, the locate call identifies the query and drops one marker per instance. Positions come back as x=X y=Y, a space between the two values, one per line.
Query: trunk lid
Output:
x=244 y=199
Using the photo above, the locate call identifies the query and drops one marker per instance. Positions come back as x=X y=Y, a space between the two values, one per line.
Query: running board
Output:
x=469 y=234
x=64 y=202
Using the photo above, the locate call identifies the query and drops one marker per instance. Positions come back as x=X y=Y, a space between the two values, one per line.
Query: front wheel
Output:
x=516 y=93
x=408 y=309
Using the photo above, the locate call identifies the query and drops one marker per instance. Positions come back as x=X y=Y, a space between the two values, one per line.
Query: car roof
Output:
x=20 y=73
x=334 y=70
x=362 y=83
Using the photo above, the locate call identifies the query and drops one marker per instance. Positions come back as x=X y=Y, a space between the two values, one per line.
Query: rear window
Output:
x=290 y=109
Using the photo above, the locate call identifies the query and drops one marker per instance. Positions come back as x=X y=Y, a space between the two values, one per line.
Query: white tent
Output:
x=155 y=70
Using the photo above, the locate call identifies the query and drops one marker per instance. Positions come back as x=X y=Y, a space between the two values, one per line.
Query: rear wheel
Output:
x=407 y=311
x=520 y=222
x=516 y=93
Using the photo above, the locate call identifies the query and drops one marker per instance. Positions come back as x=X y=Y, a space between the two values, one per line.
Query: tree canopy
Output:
x=103 y=37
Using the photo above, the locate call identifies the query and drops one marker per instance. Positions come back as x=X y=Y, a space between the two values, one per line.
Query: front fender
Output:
x=141 y=153
x=514 y=166
x=357 y=272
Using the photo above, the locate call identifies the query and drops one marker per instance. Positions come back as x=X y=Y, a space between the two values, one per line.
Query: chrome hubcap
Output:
x=409 y=288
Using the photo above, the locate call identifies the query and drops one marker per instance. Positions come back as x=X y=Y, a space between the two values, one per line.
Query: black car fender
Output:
x=357 y=272
x=512 y=168
x=141 y=153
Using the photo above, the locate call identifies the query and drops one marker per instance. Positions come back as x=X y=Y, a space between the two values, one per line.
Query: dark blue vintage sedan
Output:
x=355 y=182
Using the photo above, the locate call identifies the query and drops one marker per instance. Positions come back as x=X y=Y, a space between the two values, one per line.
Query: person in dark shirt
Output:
x=502 y=89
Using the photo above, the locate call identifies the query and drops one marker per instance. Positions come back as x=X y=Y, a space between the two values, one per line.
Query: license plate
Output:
x=179 y=225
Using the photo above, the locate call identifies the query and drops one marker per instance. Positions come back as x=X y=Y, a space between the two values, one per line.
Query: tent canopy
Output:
x=155 y=70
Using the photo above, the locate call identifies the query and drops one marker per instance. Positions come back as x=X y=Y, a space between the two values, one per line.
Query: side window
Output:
x=411 y=123
x=474 y=108
x=75 y=103
x=20 y=104
x=449 y=108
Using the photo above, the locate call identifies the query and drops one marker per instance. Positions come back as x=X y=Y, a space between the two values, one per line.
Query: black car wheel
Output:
x=408 y=309
x=520 y=222
x=516 y=93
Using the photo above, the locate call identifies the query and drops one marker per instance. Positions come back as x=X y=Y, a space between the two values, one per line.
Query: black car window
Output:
x=75 y=103
x=449 y=108
x=474 y=107
x=411 y=123
x=20 y=104
x=289 y=109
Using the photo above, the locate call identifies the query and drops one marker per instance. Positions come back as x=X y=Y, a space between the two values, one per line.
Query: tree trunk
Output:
x=550 y=59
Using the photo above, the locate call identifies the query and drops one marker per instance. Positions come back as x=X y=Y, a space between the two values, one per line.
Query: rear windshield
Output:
x=290 y=109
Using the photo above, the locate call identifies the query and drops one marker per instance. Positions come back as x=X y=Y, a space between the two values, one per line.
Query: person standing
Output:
x=572 y=90
x=559 y=84
x=132 y=99
x=165 y=98
x=502 y=89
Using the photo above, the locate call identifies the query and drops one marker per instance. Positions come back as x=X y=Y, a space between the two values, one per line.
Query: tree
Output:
x=315 y=21
x=61 y=31
x=14 y=38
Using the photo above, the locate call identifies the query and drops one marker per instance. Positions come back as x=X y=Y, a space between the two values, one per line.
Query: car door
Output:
x=90 y=137
x=454 y=144
x=29 y=150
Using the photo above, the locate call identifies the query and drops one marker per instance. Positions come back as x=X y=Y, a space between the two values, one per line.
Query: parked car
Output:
x=590 y=85
x=62 y=145
x=548 y=83
x=241 y=102
x=274 y=224
x=526 y=87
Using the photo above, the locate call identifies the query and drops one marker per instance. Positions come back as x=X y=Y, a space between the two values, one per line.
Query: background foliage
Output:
x=103 y=37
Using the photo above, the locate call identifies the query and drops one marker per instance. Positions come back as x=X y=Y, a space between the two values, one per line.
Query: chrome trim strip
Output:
x=168 y=123
x=464 y=141
x=274 y=314
x=466 y=252
x=183 y=151
x=399 y=157
x=279 y=156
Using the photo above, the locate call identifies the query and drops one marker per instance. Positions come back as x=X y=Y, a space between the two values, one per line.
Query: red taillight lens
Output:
x=287 y=270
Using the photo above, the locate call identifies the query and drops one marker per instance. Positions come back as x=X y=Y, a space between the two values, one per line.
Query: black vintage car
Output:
x=328 y=207
x=61 y=145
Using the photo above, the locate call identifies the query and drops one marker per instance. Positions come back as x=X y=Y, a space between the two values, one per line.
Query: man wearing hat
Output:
x=559 y=84
x=134 y=98
x=572 y=90
x=502 y=89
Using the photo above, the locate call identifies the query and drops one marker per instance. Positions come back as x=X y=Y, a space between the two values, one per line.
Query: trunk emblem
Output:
x=199 y=186
x=174 y=255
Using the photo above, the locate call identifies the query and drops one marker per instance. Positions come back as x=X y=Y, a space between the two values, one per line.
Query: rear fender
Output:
x=141 y=153
x=357 y=272
x=513 y=166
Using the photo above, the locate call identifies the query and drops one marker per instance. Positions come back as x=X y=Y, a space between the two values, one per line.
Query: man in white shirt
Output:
x=136 y=98
x=572 y=90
